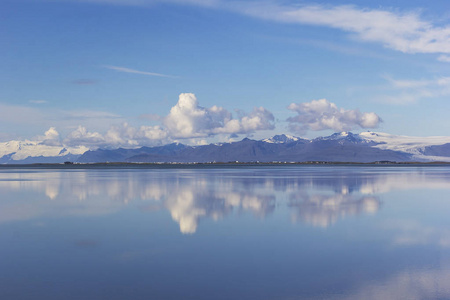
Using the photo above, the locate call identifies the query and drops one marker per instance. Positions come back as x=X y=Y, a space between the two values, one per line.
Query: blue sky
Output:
x=116 y=68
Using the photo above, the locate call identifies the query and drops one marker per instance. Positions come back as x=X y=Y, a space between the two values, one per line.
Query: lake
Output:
x=225 y=232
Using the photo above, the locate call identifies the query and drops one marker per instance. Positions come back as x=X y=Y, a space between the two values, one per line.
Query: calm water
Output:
x=293 y=232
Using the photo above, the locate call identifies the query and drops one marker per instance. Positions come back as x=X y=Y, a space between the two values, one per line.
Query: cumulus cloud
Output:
x=258 y=119
x=129 y=136
x=152 y=133
x=322 y=114
x=50 y=138
x=189 y=120
x=51 y=134
x=117 y=136
x=186 y=120
x=81 y=136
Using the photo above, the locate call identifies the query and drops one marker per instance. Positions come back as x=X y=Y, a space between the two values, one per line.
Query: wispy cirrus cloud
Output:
x=38 y=101
x=128 y=70
x=153 y=2
x=89 y=114
x=407 y=32
x=84 y=81
x=409 y=91
x=20 y=116
x=444 y=58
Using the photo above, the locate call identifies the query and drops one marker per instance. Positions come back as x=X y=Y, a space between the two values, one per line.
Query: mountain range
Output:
x=339 y=147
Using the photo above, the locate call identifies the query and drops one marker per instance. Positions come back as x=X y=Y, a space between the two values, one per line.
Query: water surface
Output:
x=273 y=232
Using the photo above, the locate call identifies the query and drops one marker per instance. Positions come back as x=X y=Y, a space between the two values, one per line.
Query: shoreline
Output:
x=175 y=165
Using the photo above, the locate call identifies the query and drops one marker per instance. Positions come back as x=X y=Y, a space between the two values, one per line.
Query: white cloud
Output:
x=258 y=119
x=186 y=120
x=128 y=70
x=81 y=136
x=51 y=134
x=189 y=120
x=322 y=114
x=117 y=136
x=50 y=138
x=128 y=136
x=407 y=32
x=152 y=133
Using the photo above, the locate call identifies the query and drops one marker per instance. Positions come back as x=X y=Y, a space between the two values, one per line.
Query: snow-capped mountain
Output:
x=344 y=137
x=338 y=147
x=282 y=138
x=36 y=151
x=430 y=148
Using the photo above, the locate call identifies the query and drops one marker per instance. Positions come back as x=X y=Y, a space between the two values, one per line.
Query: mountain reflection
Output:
x=316 y=198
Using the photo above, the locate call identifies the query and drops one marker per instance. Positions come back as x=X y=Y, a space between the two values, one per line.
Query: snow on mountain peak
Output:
x=421 y=148
x=24 y=149
x=409 y=144
x=281 y=138
x=341 y=137
x=391 y=141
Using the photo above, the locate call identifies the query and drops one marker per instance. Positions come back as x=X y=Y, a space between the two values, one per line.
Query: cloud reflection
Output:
x=322 y=210
x=410 y=284
x=315 y=196
x=188 y=206
x=412 y=232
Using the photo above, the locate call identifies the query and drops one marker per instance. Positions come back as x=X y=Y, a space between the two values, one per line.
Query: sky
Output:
x=127 y=73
